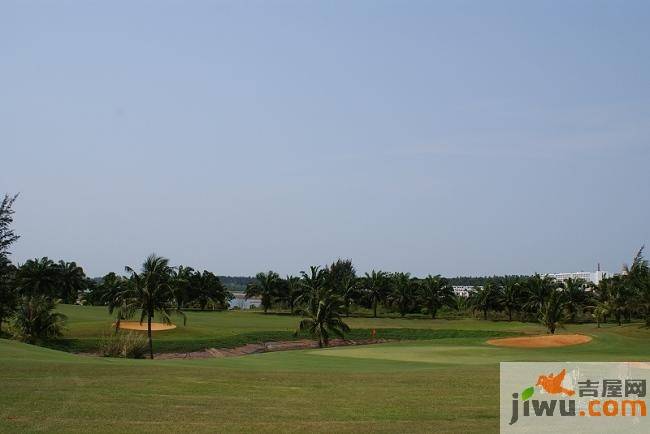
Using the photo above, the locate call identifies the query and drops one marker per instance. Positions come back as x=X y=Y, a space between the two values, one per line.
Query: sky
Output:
x=459 y=137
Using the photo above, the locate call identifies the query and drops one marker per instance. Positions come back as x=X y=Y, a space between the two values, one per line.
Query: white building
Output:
x=464 y=291
x=241 y=302
x=589 y=276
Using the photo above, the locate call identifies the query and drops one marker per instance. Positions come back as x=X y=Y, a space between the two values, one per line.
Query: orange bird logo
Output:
x=553 y=383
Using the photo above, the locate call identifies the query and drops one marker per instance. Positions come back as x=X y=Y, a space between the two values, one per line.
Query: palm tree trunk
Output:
x=433 y=312
x=485 y=314
x=509 y=314
x=149 y=335
x=374 y=306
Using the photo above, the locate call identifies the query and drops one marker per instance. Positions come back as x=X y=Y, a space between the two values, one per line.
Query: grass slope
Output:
x=448 y=384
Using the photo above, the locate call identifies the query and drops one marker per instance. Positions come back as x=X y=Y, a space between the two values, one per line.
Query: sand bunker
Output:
x=546 y=341
x=135 y=325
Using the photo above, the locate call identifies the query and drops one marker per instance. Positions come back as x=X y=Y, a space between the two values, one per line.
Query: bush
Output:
x=36 y=320
x=131 y=345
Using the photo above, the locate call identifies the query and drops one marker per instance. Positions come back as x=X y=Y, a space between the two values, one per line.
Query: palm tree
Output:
x=601 y=311
x=621 y=298
x=266 y=286
x=486 y=299
x=151 y=292
x=375 y=286
x=113 y=288
x=402 y=291
x=71 y=280
x=182 y=282
x=575 y=296
x=511 y=296
x=552 y=311
x=538 y=288
x=36 y=319
x=293 y=290
x=323 y=318
x=209 y=290
x=437 y=292
x=314 y=281
x=349 y=289
x=38 y=277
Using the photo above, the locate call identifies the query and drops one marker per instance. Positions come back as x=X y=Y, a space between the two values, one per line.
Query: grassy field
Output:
x=443 y=385
x=231 y=328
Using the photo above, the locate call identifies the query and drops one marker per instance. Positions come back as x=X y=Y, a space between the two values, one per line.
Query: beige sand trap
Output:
x=135 y=325
x=546 y=341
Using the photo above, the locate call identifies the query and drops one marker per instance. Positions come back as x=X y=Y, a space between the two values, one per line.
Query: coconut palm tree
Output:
x=511 y=295
x=70 y=280
x=601 y=311
x=576 y=296
x=436 y=291
x=209 y=290
x=151 y=292
x=403 y=289
x=114 y=294
x=313 y=283
x=265 y=286
x=349 y=290
x=374 y=284
x=486 y=299
x=38 y=277
x=621 y=298
x=552 y=312
x=537 y=289
x=182 y=283
x=323 y=317
x=292 y=291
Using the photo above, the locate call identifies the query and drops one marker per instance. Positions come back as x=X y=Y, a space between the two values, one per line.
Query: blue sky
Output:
x=432 y=137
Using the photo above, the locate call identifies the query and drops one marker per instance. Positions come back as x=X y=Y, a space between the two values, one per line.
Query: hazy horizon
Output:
x=459 y=138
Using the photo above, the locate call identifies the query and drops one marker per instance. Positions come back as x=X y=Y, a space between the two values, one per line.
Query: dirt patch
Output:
x=264 y=347
x=135 y=325
x=546 y=341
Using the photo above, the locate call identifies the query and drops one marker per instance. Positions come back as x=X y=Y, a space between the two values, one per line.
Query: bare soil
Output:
x=264 y=347
x=135 y=325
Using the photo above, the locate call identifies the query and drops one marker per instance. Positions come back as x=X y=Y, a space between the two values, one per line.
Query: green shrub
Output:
x=36 y=320
x=131 y=345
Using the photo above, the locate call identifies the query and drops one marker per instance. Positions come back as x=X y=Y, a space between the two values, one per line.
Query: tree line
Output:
x=322 y=296
x=620 y=298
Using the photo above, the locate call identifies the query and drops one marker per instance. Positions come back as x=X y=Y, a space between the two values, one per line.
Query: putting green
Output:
x=422 y=353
